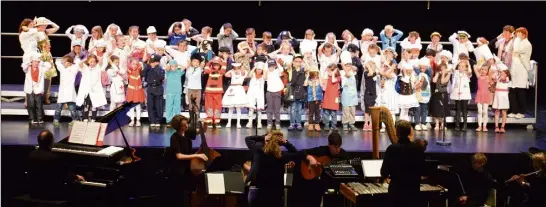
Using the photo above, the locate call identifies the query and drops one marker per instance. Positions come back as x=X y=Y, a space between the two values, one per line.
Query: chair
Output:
x=492 y=198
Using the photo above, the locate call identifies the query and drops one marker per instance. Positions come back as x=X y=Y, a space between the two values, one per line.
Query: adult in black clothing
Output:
x=309 y=192
x=476 y=183
x=267 y=171
x=182 y=153
x=404 y=163
x=48 y=171
x=535 y=185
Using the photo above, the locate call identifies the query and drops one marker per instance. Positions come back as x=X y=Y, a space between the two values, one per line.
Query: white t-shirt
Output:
x=274 y=82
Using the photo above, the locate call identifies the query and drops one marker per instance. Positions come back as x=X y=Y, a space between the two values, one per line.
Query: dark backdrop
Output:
x=478 y=18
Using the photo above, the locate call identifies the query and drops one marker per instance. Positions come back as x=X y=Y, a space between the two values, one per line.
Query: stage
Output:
x=515 y=140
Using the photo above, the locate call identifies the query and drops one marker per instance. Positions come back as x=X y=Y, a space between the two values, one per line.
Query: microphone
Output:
x=445 y=168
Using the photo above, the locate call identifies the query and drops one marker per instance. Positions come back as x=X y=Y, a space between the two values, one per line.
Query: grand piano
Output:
x=106 y=167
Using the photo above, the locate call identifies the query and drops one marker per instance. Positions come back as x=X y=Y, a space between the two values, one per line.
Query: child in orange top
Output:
x=214 y=91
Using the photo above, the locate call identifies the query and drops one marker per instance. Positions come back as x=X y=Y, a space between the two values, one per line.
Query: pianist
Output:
x=182 y=153
x=48 y=171
x=404 y=164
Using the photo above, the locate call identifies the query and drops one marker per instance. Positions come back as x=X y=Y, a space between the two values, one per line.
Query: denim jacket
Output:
x=390 y=42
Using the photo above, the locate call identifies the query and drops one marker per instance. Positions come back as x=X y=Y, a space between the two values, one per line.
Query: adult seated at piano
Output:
x=181 y=149
x=476 y=183
x=404 y=164
x=266 y=175
x=309 y=192
x=48 y=171
x=534 y=184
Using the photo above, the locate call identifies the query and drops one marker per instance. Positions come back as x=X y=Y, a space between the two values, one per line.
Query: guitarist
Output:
x=312 y=190
x=267 y=171
x=181 y=149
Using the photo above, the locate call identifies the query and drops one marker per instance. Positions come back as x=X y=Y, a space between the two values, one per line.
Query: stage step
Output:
x=17 y=109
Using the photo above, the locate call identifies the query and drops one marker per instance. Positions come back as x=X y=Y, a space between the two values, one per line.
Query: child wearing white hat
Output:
x=111 y=32
x=349 y=95
x=35 y=70
x=366 y=40
x=80 y=34
x=309 y=44
x=255 y=93
x=152 y=39
x=423 y=93
x=235 y=96
x=461 y=44
x=406 y=94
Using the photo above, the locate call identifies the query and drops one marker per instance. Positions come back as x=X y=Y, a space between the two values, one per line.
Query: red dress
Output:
x=135 y=92
x=483 y=96
x=331 y=94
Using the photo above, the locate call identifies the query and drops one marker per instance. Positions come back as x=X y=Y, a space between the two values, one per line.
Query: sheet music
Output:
x=372 y=168
x=100 y=139
x=92 y=133
x=78 y=132
x=215 y=183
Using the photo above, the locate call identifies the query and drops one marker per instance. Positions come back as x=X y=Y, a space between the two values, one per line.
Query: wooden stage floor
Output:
x=515 y=140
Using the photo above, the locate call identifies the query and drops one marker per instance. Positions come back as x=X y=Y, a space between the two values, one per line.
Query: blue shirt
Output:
x=175 y=38
x=390 y=42
x=154 y=78
x=349 y=94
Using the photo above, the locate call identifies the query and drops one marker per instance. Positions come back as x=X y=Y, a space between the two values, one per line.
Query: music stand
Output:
x=117 y=119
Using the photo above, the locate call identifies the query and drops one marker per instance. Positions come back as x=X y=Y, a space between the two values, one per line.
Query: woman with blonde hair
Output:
x=266 y=175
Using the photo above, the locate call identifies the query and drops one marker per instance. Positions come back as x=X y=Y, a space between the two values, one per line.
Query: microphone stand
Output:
x=443 y=130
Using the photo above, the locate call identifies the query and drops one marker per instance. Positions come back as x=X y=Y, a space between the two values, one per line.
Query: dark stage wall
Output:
x=478 y=18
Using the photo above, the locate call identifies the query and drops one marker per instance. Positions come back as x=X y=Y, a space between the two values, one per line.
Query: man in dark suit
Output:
x=404 y=163
x=47 y=171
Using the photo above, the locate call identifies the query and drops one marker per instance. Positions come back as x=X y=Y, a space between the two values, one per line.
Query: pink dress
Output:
x=483 y=96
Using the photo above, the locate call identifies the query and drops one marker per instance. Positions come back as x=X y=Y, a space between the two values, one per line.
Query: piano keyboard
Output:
x=86 y=150
x=373 y=188
x=93 y=184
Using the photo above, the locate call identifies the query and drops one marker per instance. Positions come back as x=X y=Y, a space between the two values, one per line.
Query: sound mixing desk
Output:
x=364 y=194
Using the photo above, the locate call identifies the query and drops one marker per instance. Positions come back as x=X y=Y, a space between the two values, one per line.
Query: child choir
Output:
x=308 y=78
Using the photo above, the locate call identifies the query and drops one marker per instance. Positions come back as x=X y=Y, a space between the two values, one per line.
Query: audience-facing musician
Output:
x=534 y=185
x=181 y=148
x=404 y=163
x=312 y=190
x=48 y=171
x=476 y=183
x=267 y=171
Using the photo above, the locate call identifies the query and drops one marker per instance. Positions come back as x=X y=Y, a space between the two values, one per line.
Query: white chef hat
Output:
x=79 y=28
x=35 y=56
x=151 y=29
x=447 y=54
x=367 y=31
x=406 y=65
x=236 y=64
x=261 y=65
x=424 y=62
x=41 y=21
x=100 y=43
x=139 y=44
x=346 y=58
x=502 y=66
x=160 y=44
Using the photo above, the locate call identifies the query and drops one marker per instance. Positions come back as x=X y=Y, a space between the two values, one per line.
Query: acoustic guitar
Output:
x=311 y=172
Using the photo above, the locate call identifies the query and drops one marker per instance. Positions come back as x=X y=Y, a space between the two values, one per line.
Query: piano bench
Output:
x=27 y=200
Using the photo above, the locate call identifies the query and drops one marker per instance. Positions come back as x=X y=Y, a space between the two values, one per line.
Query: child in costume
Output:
x=173 y=101
x=135 y=92
x=35 y=71
x=273 y=95
x=91 y=92
x=461 y=92
x=235 y=95
x=406 y=93
x=118 y=77
x=255 y=94
x=501 y=102
x=314 y=98
x=80 y=34
x=67 y=91
x=349 y=95
x=330 y=102
x=214 y=91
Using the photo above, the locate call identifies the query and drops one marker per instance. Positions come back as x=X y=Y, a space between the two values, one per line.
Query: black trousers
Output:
x=88 y=106
x=35 y=107
x=155 y=108
x=517 y=98
x=265 y=197
x=462 y=108
x=306 y=193
x=314 y=112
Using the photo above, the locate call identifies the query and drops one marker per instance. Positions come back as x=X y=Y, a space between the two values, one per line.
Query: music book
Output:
x=215 y=184
x=372 y=168
x=87 y=133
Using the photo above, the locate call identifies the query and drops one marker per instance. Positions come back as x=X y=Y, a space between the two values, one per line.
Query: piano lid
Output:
x=117 y=118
